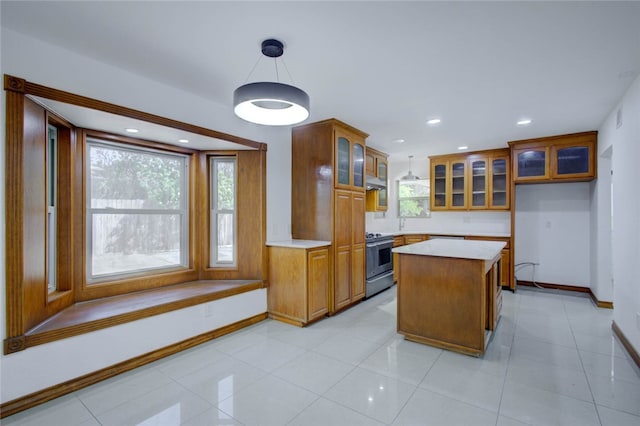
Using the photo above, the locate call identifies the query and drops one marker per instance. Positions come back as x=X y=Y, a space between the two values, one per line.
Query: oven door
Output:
x=379 y=258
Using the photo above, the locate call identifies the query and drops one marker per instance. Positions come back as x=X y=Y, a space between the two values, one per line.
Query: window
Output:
x=223 y=211
x=137 y=210
x=413 y=198
x=52 y=201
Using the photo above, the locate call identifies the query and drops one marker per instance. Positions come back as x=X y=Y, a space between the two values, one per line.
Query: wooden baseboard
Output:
x=44 y=395
x=599 y=303
x=635 y=356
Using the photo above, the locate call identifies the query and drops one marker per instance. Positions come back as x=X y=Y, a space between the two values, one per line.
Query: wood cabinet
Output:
x=299 y=280
x=564 y=158
x=349 y=160
x=398 y=240
x=377 y=166
x=448 y=301
x=505 y=260
x=328 y=201
x=449 y=183
x=415 y=238
x=471 y=181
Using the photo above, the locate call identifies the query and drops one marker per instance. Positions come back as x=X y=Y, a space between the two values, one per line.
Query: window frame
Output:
x=213 y=261
x=183 y=211
x=423 y=200
x=28 y=306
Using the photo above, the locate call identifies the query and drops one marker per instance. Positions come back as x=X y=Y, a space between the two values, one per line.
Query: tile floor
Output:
x=552 y=361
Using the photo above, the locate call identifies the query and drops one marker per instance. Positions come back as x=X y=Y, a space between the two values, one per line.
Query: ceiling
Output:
x=383 y=67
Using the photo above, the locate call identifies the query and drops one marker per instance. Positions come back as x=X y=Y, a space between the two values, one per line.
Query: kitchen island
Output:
x=449 y=293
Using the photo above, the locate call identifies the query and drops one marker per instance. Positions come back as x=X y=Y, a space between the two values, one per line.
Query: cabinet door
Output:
x=343 y=162
x=531 y=164
x=318 y=283
x=358 y=255
x=439 y=174
x=343 y=241
x=458 y=189
x=479 y=198
x=370 y=164
x=358 y=272
x=358 y=165
x=505 y=272
x=499 y=186
x=382 y=168
x=573 y=161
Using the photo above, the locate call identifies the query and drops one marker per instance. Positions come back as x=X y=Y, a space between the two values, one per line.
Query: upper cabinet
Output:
x=471 y=181
x=557 y=158
x=377 y=167
x=350 y=161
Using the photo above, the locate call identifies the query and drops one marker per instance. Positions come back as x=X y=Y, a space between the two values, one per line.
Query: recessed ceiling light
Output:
x=398 y=141
x=183 y=140
x=131 y=130
x=463 y=147
x=433 y=121
x=524 y=122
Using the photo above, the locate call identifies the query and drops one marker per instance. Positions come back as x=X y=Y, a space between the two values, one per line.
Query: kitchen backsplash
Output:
x=473 y=222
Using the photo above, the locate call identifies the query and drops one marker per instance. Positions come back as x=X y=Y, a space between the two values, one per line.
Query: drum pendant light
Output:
x=271 y=103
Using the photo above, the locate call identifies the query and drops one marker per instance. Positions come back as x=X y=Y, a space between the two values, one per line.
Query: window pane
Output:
x=223 y=214
x=130 y=242
x=414 y=208
x=226 y=185
x=225 y=238
x=413 y=198
x=127 y=179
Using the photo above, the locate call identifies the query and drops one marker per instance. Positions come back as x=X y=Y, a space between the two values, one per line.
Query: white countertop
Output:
x=453 y=233
x=301 y=244
x=462 y=249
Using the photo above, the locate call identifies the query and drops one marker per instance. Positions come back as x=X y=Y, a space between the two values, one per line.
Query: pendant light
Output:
x=409 y=175
x=271 y=103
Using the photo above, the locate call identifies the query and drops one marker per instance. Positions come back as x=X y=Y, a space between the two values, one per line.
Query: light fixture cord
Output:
x=253 y=69
x=288 y=73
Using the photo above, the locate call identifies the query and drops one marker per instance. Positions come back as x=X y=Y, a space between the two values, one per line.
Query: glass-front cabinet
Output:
x=350 y=163
x=531 y=163
x=476 y=180
x=439 y=186
x=499 y=183
x=458 y=185
x=558 y=158
x=376 y=166
x=479 y=183
x=572 y=161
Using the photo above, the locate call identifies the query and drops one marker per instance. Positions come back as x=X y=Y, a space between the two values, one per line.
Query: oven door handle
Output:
x=379 y=243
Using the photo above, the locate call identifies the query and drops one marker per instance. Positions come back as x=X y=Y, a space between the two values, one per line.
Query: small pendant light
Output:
x=409 y=175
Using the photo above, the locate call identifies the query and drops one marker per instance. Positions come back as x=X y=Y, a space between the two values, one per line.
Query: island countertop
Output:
x=461 y=249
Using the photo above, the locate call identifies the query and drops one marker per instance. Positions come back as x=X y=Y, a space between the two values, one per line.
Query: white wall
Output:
x=476 y=222
x=552 y=228
x=25 y=372
x=625 y=141
x=601 y=236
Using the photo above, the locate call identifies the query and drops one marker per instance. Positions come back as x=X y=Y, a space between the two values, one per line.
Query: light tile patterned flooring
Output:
x=552 y=361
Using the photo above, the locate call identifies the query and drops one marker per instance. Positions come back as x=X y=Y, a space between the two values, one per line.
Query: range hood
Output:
x=374 y=183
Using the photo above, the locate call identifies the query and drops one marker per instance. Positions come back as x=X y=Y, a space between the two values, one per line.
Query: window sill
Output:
x=86 y=317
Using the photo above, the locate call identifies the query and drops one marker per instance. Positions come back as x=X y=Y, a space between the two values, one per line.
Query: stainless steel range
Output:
x=379 y=263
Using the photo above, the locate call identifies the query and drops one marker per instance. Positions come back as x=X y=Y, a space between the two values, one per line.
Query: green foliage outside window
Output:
x=413 y=198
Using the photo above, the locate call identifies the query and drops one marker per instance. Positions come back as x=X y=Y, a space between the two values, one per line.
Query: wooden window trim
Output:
x=63 y=304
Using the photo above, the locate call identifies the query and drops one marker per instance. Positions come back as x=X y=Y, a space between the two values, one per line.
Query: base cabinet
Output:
x=299 y=280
